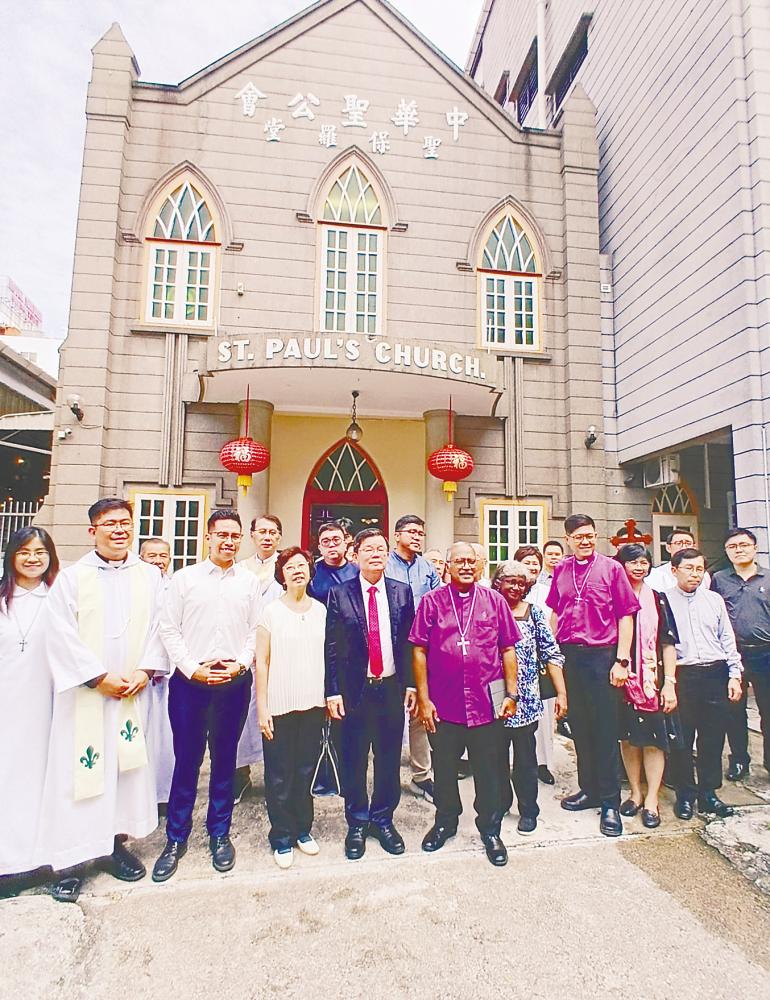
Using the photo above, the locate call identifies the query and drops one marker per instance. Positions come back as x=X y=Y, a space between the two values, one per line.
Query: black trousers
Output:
x=290 y=759
x=756 y=664
x=524 y=771
x=484 y=752
x=703 y=707
x=593 y=716
x=198 y=714
x=377 y=722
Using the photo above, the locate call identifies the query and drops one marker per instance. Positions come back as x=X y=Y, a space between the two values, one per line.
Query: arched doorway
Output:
x=672 y=507
x=345 y=482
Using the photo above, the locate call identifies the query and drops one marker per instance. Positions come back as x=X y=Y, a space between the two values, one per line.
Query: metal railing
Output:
x=15 y=514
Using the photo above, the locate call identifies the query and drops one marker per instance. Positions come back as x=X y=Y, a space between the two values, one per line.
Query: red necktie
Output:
x=375 y=646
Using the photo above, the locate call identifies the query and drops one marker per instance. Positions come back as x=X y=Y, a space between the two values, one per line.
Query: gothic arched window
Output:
x=509 y=288
x=352 y=234
x=182 y=257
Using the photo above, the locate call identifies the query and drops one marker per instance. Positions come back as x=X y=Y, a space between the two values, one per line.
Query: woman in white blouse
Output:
x=26 y=692
x=291 y=704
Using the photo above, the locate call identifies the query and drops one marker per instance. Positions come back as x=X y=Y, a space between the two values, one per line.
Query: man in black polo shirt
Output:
x=745 y=589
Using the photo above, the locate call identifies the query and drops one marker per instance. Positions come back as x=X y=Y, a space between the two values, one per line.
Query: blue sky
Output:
x=45 y=63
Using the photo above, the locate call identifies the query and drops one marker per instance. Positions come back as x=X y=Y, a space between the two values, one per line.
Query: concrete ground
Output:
x=650 y=915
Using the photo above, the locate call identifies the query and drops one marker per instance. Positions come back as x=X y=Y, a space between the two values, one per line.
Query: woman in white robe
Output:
x=26 y=692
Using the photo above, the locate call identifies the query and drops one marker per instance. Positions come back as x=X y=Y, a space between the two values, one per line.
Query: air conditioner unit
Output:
x=661 y=471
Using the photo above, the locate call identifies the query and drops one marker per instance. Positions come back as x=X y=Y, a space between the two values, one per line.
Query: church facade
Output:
x=333 y=207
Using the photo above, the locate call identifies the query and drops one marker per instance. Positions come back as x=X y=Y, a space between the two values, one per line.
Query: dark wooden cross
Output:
x=632 y=535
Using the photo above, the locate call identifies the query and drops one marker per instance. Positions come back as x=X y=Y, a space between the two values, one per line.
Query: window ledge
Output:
x=501 y=352
x=164 y=328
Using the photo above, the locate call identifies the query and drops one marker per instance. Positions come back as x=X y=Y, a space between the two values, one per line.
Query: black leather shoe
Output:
x=683 y=808
x=222 y=853
x=610 y=824
x=580 y=800
x=67 y=890
x=166 y=864
x=355 y=843
x=495 y=848
x=650 y=819
x=389 y=837
x=563 y=728
x=711 y=804
x=123 y=865
x=544 y=775
x=436 y=837
x=629 y=808
x=737 y=771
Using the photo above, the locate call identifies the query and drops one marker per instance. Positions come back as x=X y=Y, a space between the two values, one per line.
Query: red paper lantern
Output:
x=245 y=456
x=451 y=464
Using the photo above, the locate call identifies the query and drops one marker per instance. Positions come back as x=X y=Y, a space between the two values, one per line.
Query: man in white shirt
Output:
x=663 y=578
x=708 y=673
x=209 y=627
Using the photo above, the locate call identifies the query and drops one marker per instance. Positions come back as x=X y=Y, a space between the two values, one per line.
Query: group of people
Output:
x=116 y=676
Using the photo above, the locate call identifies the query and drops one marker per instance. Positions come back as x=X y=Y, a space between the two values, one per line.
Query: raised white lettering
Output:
x=240 y=349
x=438 y=361
x=292 y=349
x=382 y=353
x=402 y=355
x=273 y=346
x=224 y=352
x=456 y=363
x=352 y=350
x=329 y=353
x=312 y=348
x=421 y=357
x=472 y=367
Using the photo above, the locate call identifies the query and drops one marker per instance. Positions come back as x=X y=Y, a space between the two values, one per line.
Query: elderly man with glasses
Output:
x=745 y=589
x=593 y=606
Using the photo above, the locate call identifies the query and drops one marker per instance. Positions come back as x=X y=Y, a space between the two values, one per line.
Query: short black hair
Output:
x=222 y=514
x=679 y=531
x=367 y=533
x=678 y=557
x=402 y=522
x=106 y=505
x=553 y=542
x=575 y=521
x=330 y=526
x=267 y=517
x=528 y=550
x=741 y=531
x=631 y=551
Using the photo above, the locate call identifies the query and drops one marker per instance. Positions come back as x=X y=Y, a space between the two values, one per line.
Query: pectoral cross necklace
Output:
x=463 y=642
x=579 y=591
x=22 y=633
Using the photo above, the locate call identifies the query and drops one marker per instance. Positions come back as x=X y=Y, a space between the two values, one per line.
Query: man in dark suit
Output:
x=368 y=685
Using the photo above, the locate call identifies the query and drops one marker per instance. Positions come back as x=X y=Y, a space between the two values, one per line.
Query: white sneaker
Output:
x=307 y=845
x=284 y=859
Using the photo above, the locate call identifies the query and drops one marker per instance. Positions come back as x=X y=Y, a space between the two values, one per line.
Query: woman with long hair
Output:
x=26 y=692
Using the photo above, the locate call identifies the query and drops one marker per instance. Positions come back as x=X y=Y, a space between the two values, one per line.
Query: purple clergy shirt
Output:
x=457 y=684
x=605 y=597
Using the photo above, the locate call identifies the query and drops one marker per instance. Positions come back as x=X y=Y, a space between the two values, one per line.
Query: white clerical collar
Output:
x=39 y=591
x=95 y=559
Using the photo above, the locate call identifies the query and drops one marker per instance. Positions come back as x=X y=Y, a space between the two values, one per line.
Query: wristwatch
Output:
x=513 y=697
x=624 y=663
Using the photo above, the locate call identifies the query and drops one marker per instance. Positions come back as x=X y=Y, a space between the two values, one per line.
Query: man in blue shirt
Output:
x=407 y=565
x=332 y=568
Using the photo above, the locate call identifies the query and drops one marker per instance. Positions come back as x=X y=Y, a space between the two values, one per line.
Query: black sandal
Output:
x=67 y=890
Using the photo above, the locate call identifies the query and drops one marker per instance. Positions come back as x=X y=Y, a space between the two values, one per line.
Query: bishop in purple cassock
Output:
x=464 y=637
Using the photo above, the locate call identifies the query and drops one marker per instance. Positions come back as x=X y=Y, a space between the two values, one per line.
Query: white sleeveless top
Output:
x=296 y=677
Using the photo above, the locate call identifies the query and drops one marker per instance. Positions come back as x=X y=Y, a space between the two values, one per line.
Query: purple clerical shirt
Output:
x=457 y=683
x=589 y=613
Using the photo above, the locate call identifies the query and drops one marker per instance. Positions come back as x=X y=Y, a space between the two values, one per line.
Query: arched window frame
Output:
x=183 y=257
x=510 y=288
x=352 y=253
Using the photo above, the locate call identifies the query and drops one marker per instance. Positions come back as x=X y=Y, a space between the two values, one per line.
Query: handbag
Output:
x=547 y=690
x=326 y=777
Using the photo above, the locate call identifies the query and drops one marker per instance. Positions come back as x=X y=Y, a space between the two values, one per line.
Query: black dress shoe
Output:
x=650 y=819
x=436 y=837
x=711 y=804
x=495 y=848
x=563 y=728
x=629 y=808
x=355 y=843
x=737 y=771
x=580 y=800
x=222 y=853
x=166 y=864
x=123 y=865
x=683 y=808
x=610 y=824
x=389 y=837
x=544 y=775
x=67 y=890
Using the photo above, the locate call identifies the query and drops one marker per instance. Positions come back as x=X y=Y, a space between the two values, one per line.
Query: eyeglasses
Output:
x=463 y=562
x=586 y=537
x=328 y=540
x=733 y=546
x=418 y=532
x=223 y=536
x=112 y=525
x=681 y=543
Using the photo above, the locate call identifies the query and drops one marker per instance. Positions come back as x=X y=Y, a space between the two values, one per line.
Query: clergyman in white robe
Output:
x=26 y=697
x=74 y=827
x=160 y=739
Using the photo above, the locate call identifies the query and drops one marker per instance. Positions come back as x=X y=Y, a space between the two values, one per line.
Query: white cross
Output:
x=463 y=643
